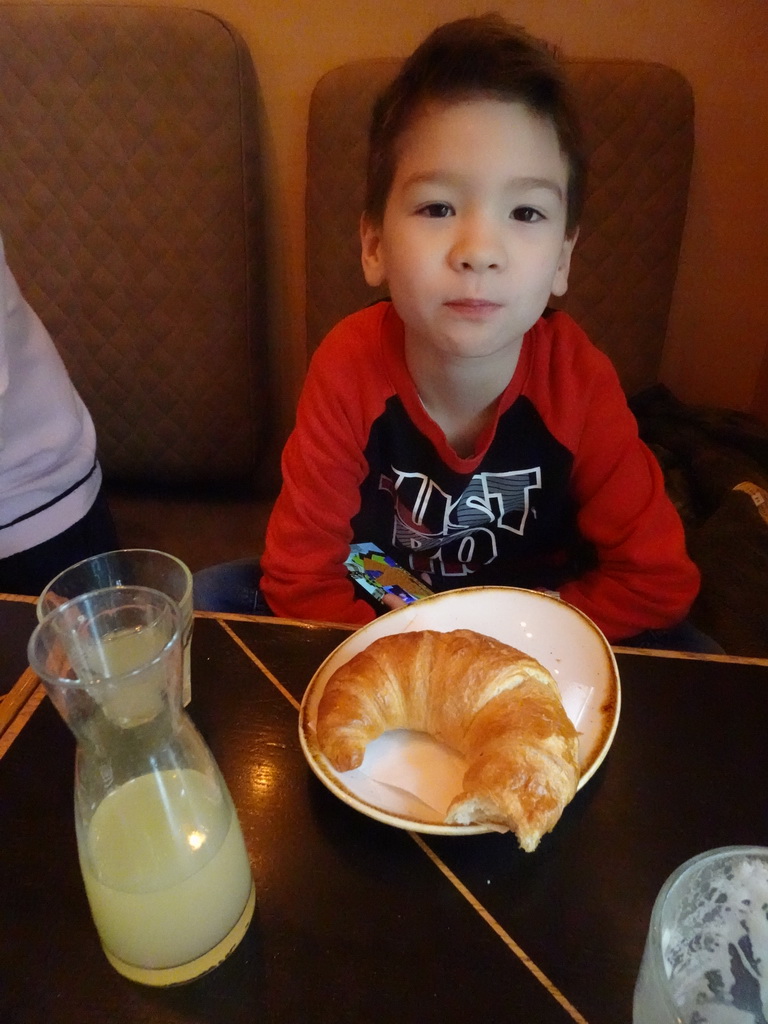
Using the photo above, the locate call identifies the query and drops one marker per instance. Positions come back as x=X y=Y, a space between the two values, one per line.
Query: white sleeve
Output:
x=4 y=298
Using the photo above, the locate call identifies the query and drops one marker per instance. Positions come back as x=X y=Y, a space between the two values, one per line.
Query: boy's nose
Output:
x=478 y=247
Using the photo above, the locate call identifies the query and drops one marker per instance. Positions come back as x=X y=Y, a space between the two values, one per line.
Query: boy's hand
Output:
x=392 y=601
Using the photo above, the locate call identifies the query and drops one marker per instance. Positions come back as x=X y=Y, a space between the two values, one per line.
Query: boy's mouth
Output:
x=473 y=307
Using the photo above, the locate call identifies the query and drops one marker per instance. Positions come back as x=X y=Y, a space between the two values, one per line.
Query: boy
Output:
x=471 y=434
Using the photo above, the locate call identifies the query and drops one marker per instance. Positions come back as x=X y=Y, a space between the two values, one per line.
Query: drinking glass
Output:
x=140 y=567
x=161 y=851
x=706 y=955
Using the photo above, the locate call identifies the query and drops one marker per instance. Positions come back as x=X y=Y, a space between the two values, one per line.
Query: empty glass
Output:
x=140 y=567
x=706 y=955
x=161 y=852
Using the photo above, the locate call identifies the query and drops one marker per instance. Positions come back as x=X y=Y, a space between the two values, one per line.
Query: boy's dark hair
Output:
x=472 y=58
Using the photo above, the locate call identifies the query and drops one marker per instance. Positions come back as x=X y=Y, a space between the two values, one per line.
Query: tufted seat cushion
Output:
x=131 y=208
x=131 y=205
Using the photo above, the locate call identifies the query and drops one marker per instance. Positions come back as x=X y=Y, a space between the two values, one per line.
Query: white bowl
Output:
x=407 y=779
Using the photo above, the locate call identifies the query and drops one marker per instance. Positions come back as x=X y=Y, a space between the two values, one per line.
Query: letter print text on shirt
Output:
x=459 y=530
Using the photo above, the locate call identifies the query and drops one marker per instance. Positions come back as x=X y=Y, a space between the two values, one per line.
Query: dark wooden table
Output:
x=359 y=922
x=17 y=620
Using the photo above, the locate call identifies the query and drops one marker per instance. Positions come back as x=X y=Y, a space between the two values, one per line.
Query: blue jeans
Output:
x=682 y=637
x=234 y=587
x=230 y=587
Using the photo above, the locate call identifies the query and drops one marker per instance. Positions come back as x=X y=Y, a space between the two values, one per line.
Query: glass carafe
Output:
x=161 y=851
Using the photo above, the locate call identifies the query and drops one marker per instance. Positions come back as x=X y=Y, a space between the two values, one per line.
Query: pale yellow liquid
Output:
x=139 y=697
x=169 y=903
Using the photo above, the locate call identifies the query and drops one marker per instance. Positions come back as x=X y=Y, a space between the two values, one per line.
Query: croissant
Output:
x=498 y=707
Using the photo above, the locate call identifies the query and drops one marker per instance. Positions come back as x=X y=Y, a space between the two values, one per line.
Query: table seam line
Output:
x=729 y=659
x=506 y=938
x=20 y=719
x=20 y=598
x=259 y=664
x=14 y=700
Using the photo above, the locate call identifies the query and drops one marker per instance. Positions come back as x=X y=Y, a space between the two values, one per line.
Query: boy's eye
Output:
x=436 y=210
x=527 y=214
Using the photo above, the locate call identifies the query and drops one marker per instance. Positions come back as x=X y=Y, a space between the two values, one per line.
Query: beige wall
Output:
x=719 y=326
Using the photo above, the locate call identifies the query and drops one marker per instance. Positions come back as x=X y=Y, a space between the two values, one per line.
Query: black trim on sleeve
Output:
x=53 y=501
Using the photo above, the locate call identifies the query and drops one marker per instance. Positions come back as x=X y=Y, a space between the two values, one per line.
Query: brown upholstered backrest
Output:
x=130 y=205
x=638 y=122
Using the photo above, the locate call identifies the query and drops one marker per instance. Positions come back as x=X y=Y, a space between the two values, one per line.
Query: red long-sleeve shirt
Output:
x=560 y=492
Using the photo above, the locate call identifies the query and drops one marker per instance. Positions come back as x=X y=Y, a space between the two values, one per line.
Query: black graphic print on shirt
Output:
x=510 y=513
x=466 y=523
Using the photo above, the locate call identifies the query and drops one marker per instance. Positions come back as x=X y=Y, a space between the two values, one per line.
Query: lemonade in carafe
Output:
x=161 y=852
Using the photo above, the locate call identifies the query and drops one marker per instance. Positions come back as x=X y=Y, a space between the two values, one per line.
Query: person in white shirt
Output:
x=52 y=508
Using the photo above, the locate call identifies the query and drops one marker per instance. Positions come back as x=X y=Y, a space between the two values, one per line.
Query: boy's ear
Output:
x=560 y=281
x=371 y=256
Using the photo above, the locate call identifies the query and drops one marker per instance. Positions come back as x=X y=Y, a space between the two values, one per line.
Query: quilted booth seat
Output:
x=132 y=211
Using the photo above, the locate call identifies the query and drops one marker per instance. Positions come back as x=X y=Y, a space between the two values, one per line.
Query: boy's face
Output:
x=472 y=243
